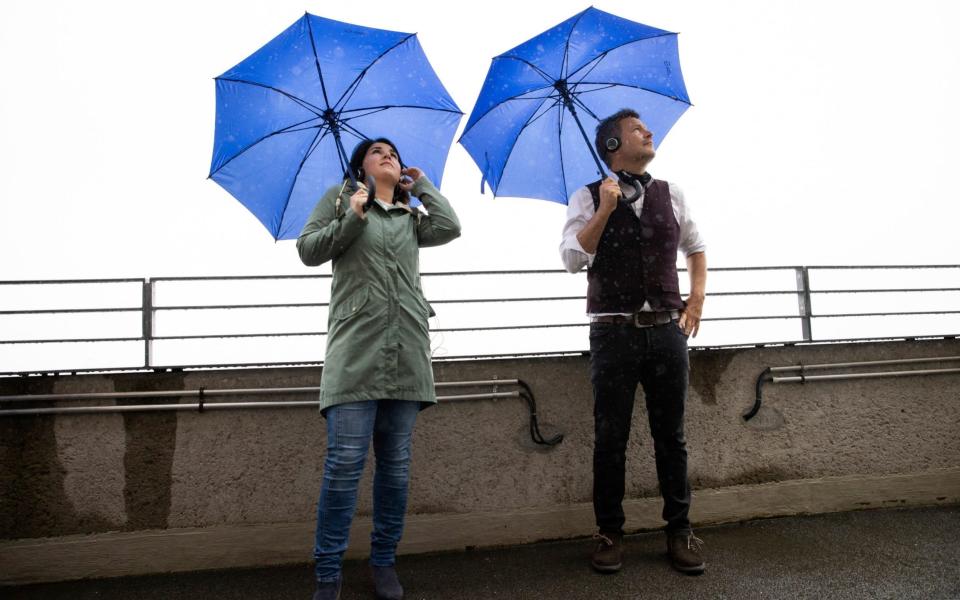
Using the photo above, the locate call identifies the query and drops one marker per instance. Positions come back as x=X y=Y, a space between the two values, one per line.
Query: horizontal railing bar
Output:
x=235 y=306
x=461 y=329
x=57 y=311
x=882 y=291
x=505 y=272
x=547 y=271
x=874 y=267
x=492 y=356
x=448 y=301
x=887 y=314
x=238 y=335
x=66 y=281
x=562 y=325
x=322 y=333
x=72 y=341
x=452 y=273
x=241 y=277
x=492 y=300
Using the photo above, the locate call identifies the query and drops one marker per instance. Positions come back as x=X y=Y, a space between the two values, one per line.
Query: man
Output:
x=627 y=230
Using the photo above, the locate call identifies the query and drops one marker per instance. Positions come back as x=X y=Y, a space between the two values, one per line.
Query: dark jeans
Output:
x=621 y=356
x=350 y=427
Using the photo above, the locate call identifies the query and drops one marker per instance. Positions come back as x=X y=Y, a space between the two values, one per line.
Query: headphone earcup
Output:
x=612 y=144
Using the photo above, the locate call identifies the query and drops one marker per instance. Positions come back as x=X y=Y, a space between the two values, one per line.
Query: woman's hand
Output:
x=358 y=200
x=408 y=177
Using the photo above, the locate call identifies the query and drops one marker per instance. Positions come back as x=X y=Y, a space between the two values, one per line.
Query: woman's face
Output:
x=382 y=163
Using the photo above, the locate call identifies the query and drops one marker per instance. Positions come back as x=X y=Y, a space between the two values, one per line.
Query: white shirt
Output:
x=580 y=211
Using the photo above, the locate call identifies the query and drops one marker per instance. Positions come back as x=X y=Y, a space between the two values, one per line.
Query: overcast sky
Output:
x=822 y=132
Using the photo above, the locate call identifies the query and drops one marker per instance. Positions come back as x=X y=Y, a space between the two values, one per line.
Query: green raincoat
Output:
x=378 y=344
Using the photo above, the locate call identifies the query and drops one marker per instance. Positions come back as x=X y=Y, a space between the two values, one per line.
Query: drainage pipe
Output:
x=202 y=394
x=768 y=374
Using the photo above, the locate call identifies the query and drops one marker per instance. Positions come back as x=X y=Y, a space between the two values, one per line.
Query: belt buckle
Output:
x=636 y=320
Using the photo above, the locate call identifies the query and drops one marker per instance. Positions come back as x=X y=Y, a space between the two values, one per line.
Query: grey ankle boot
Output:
x=328 y=590
x=386 y=585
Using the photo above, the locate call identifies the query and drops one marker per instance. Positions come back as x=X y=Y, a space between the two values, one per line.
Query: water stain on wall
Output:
x=151 y=439
x=706 y=370
x=33 y=498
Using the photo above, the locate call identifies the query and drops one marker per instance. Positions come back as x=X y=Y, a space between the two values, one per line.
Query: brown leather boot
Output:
x=684 y=549
x=607 y=558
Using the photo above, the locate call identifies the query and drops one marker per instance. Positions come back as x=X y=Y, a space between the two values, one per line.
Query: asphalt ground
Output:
x=894 y=553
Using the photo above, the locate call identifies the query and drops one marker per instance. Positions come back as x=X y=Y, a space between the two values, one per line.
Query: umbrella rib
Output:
x=595 y=63
x=578 y=102
x=517 y=138
x=636 y=87
x=287 y=129
x=348 y=93
x=354 y=130
x=313 y=146
x=546 y=76
x=504 y=101
x=609 y=50
x=371 y=110
x=541 y=115
x=566 y=45
x=386 y=106
x=316 y=110
x=323 y=135
x=316 y=61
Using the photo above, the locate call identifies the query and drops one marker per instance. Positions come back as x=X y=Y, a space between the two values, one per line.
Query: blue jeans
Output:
x=621 y=357
x=349 y=430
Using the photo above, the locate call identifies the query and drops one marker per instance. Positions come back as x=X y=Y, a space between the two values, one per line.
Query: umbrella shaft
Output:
x=593 y=153
x=561 y=87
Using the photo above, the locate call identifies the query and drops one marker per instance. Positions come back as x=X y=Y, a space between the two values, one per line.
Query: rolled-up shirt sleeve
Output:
x=691 y=242
x=579 y=212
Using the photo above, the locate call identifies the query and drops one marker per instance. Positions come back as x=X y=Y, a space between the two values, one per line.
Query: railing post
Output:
x=147 y=322
x=803 y=299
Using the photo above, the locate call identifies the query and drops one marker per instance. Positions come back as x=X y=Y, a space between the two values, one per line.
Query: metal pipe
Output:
x=75 y=410
x=219 y=392
x=526 y=393
x=866 y=363
x=839 y=376
x=767 y=374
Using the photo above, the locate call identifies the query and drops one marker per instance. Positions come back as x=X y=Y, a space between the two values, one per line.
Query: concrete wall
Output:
x=102 y=495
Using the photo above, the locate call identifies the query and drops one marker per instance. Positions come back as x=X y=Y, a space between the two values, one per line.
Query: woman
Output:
x=377 y=373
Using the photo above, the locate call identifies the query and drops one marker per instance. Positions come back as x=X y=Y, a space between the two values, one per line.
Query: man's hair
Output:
x=610 y=127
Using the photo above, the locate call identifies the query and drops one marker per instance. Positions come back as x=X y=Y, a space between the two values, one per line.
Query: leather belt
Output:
x=643 y=318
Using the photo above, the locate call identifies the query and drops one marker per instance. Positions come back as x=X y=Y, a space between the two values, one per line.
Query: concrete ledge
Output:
x=120 y=554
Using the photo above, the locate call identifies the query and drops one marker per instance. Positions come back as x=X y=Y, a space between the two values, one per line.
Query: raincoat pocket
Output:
x=353 y=305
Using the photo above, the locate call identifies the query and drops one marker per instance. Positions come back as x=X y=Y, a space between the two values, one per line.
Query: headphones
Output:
x=612 y=143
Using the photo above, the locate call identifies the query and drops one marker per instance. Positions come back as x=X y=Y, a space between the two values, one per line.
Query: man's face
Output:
x=636 y=141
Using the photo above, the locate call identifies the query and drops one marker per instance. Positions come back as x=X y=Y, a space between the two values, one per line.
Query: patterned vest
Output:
x=636 y=258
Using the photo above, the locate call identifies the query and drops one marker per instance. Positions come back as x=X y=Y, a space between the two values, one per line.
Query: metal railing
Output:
x=139 y=298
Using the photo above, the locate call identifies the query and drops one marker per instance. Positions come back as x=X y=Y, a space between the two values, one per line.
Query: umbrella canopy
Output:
x=531 y=130
x=289 y=113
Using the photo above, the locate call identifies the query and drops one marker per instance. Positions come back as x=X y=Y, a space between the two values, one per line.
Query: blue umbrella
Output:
x=528 y=131
x=287 y=114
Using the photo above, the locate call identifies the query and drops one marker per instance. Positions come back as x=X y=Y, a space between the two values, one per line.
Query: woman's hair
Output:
x=356 y=166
